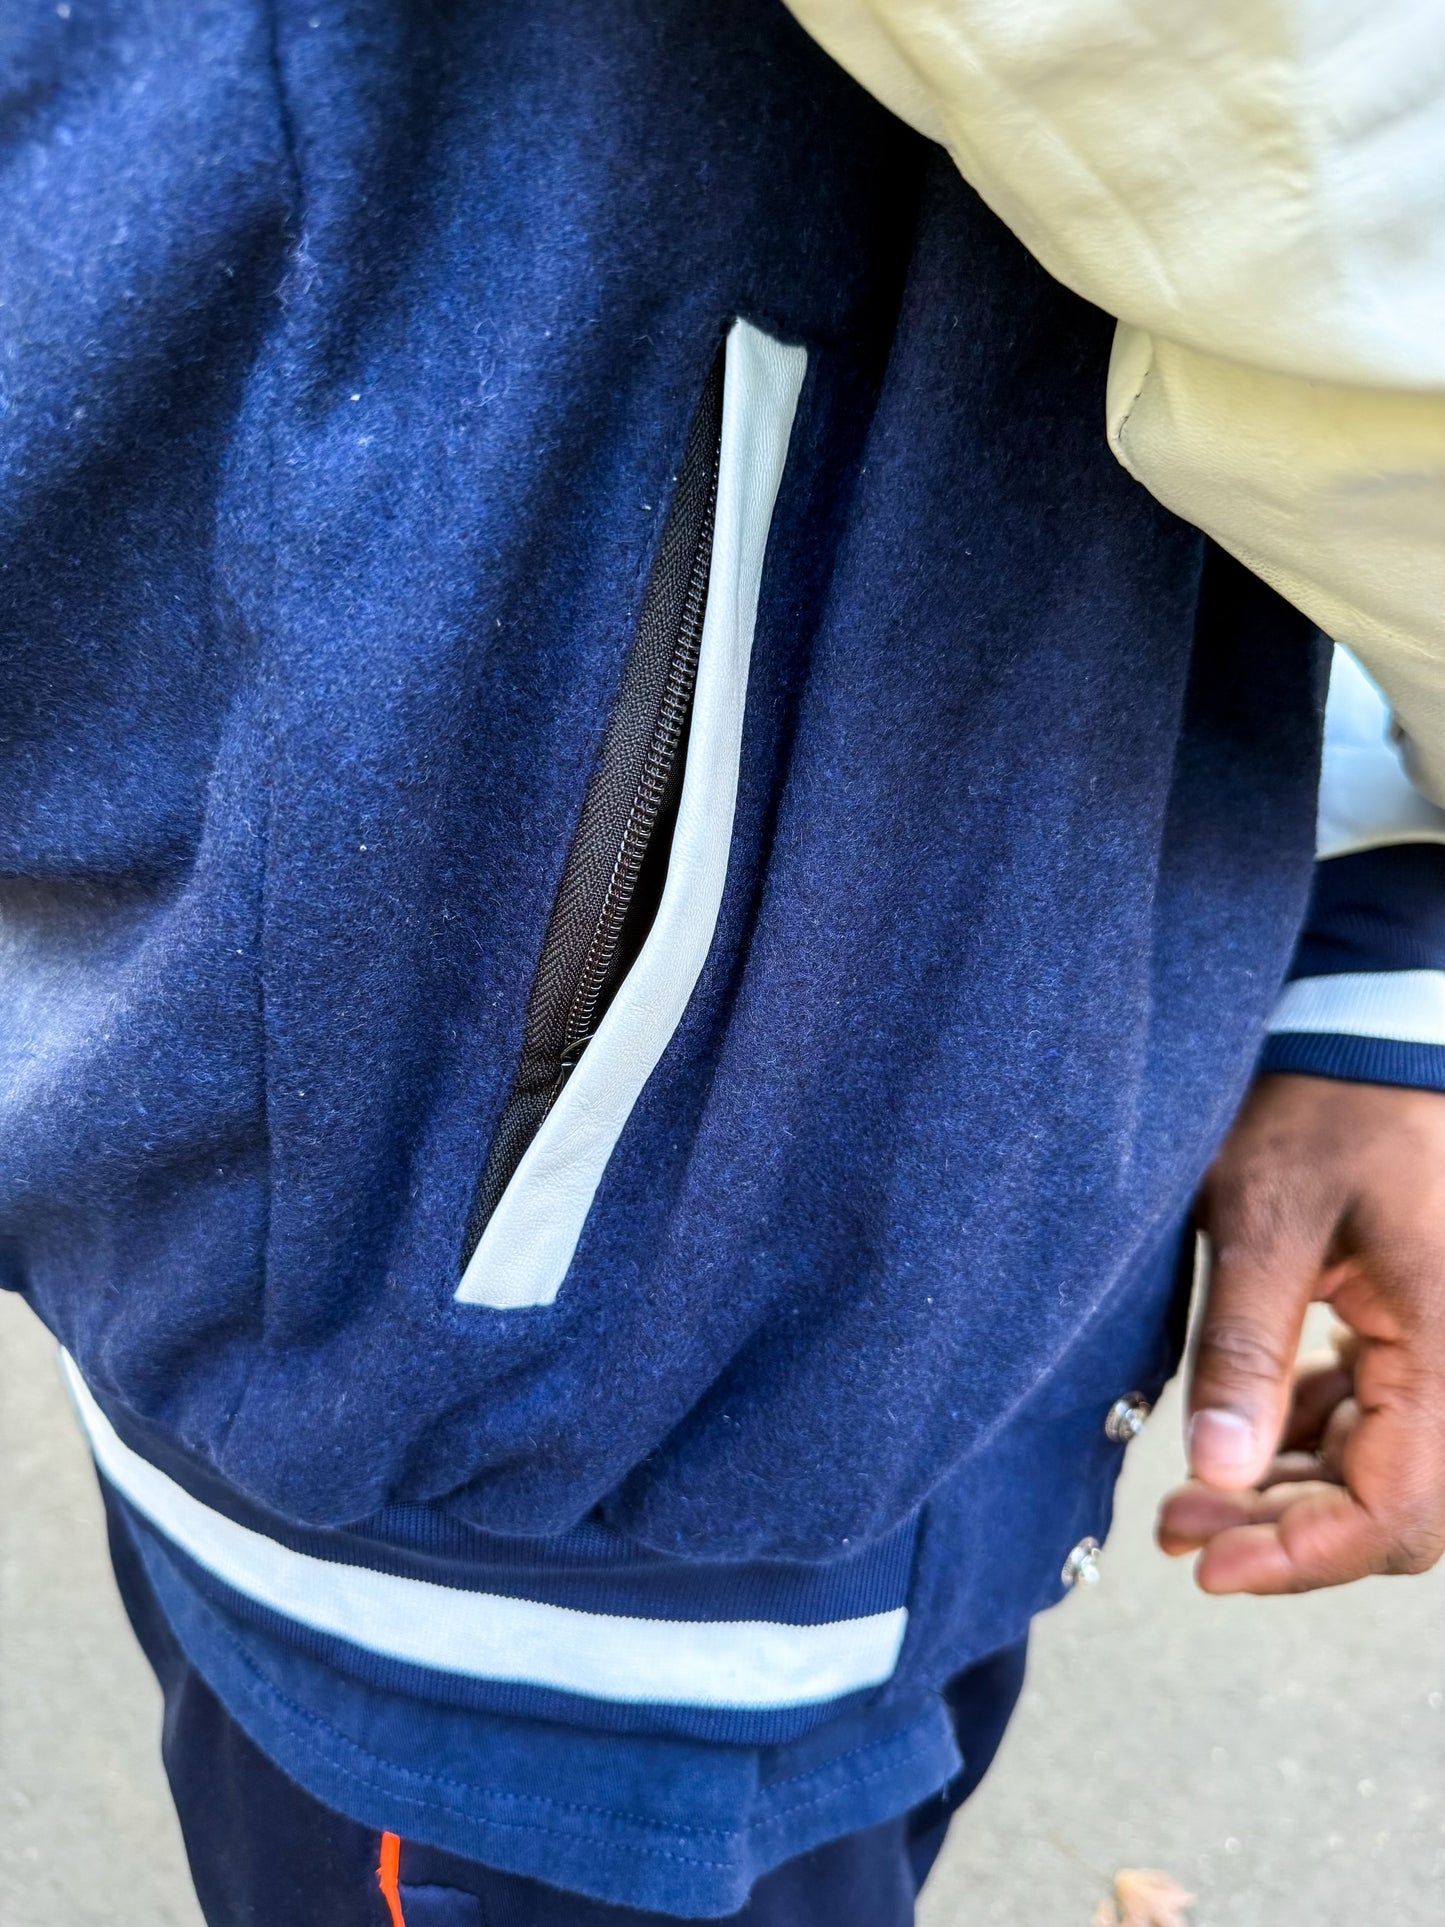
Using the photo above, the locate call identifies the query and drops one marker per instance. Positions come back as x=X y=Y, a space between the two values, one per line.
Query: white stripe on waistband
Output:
x=748 y=1664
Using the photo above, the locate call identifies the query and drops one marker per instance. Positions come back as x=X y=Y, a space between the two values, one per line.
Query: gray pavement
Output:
x=1285 y=1760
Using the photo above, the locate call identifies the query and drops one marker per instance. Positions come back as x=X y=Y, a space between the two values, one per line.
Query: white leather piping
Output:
x=531 y=1237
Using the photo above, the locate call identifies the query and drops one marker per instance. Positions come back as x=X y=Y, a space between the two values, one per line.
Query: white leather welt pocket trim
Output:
x=531 y=1236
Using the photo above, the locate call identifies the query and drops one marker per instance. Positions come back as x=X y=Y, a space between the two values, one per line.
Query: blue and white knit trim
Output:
x=1366 y=1000
x=370 y=1596
x=1383 y=1027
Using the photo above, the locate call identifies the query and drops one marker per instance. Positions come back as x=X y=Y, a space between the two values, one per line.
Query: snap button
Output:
x=1081 y=1568
x=1126 y=1417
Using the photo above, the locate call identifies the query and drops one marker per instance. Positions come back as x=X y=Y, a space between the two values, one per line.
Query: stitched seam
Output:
x=265 y=1687
x=838 y=1759
x=771 y=1820
x=634 y=1848
x=261 y=1687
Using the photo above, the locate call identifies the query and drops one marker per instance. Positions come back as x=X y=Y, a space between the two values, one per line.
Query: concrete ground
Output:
x=1284 y=1760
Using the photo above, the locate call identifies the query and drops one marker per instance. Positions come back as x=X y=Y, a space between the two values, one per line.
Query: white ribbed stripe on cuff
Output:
x=1405 y=1006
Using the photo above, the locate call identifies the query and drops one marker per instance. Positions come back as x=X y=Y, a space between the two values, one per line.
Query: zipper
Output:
x=617 y=865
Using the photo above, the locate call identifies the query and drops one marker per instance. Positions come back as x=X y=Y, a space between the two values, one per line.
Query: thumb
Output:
x=1263 y=1275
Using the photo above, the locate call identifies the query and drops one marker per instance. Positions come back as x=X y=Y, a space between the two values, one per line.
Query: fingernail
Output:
x=1225 y=1439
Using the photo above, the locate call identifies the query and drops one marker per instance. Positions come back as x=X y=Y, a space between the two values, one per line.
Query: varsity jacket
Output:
x=635 y=883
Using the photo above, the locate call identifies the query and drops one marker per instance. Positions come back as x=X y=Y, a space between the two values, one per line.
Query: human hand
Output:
x=1315 y=1475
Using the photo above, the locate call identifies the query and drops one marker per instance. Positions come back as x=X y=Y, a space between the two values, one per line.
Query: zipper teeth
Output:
x=645 y=733
x=651 y=789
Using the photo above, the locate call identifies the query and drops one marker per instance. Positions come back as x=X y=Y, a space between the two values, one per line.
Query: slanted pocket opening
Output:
x=638 y=904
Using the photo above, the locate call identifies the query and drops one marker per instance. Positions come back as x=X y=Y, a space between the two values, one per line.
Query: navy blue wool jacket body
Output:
x=635 y=884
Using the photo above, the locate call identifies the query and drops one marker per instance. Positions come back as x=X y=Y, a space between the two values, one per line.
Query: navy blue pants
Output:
x=265 y=1854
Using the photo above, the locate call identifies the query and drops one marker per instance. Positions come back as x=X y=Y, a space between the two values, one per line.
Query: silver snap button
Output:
x=1081 y=1568
x=1126 y=1417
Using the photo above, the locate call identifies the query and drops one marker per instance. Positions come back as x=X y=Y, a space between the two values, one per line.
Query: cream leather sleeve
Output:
x=1256 y=188
x=1335 y=495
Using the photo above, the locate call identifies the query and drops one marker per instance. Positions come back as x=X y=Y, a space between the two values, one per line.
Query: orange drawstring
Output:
x=388 y=1875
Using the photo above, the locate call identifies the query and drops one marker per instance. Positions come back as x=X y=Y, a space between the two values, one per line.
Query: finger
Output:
x=1305 y=1530
x=1266 y=1266
x=1322 y=1415
x=1325 y=1538
x=1389 y=1443
x=1322 y=1383
x=1346 y=1346
x=1195 y=1514
x=1335 y=1439
x=1388 y=1518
